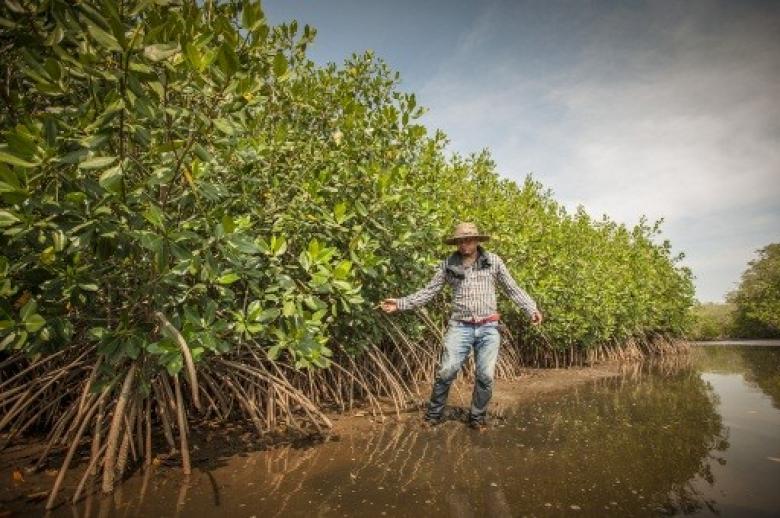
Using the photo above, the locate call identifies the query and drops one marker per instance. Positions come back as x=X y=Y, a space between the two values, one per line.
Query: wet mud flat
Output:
x=694 y=434
x=217 y=447
x=530 y=385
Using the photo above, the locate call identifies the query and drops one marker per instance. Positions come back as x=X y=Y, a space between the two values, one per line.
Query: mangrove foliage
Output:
x=197 y=222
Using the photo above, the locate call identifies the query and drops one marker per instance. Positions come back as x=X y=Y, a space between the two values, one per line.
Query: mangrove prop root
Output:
x=186 y=354
x=185 y=450
x=55 y=396
x=148 y=433
x=90 y=472
x=71 y=451
x=113 y=432
x=165 y=418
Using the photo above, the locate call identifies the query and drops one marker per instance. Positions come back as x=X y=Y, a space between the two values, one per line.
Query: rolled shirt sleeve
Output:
x=513 y=291
x=422 y=297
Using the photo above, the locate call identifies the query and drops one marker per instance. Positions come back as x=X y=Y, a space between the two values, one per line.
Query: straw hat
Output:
x=465 y=230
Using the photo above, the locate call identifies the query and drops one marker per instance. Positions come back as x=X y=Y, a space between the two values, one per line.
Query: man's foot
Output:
x=479 y=426
x=428 y=423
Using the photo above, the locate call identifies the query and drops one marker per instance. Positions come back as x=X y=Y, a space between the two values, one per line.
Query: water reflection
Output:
x=747 y=381
x=656 y=440
x=763 y=369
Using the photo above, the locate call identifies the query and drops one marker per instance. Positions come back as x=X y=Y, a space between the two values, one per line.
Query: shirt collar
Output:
x=455 y=262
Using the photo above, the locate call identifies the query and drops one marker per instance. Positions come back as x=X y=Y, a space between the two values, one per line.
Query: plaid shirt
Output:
x=474 y=294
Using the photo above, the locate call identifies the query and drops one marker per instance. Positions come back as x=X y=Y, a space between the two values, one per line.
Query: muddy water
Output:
x=701 y=436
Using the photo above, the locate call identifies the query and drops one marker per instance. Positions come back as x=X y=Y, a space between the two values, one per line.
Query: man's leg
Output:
x=457 y=345
x=486 y=344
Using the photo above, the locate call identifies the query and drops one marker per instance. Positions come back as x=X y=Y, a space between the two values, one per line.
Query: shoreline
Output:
x=216 y=442
x=533 y=383
x=762 y=342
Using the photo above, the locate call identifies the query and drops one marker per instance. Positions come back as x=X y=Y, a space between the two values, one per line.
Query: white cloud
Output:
x=682 y=122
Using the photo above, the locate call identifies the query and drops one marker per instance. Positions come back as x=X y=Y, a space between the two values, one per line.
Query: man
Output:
x=472 y=272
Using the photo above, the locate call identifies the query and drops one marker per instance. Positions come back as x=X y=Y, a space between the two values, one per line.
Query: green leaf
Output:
x=140 y=67
x=34 y=323
x=228 y=278
x=103 y=38
x=7 y=340
x=73 y=157
x=21 y=340
x=201 y=153
x=155 y=216
x=111 y=180
x=254 y=328
x=339 y=212
x=174 y=365
x=273 y=351
x=7 y=219
x=104 y=118
x=342 y=285
x=48 y=255
x=28 y=309
x=55 y=36
x=224 y=126
x=303 y=258
x=9 y=178
x=278 y=245
x=150 y=241
x=227 y=59
x=97 y=162
x=193 y=56
x=314 y=303
x=132 y=350
x=157 y=88
x=89 y=287
x=314 y=248
x=280 y=64
x=253 y=310
x=8 y=158
x=268 y=315
x=342 y=269
x=15 y=7
x=228 y=225
x=243 y=244
x=251 y=15
x=161 y=51
x=94 y=141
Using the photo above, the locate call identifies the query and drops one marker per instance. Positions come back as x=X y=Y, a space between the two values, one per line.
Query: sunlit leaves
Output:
x=280 y=64
x=12 y=159
x=111 y=179
x=160 y=51
x=103 y=38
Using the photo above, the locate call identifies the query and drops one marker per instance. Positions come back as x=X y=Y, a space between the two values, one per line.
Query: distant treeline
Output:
x=750 y=311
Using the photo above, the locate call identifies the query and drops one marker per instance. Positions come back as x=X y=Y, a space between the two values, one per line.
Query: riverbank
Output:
x=216 y=444
x=763 y=342
x=531 y=385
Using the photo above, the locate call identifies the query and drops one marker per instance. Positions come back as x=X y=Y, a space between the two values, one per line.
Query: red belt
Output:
x=492 y=318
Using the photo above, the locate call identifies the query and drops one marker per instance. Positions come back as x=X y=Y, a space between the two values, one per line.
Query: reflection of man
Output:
x=472 y=272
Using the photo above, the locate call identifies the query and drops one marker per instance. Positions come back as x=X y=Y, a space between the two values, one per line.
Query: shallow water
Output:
x=699 y=436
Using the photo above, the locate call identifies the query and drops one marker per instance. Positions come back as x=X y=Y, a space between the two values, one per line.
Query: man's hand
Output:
x=389 y=305
x=536 y=318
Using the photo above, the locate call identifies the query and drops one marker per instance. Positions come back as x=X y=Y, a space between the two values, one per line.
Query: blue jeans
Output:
x=460 y=338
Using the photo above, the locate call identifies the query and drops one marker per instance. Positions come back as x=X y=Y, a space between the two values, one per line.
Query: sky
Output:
x=667 y=109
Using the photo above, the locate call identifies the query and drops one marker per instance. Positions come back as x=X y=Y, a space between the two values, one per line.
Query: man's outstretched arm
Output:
x=418 y=298
x=515 y=292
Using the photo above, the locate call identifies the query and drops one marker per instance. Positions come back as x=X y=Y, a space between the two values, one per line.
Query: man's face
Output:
x=467 y=246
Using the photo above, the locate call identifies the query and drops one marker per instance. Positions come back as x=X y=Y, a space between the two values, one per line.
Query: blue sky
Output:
x=667 y=109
